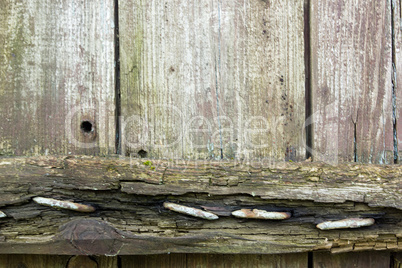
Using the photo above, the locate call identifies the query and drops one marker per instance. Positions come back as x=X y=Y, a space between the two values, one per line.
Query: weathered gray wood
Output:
x=56 y=71
x=396 y=260
x=397 y=71
x=42 y=261
x=247 y=261
x=33 y=261
x=130 y=218
x=93 y=261
x=352 y=260
x=198 y=77
x=150 y=261
x=351 y=62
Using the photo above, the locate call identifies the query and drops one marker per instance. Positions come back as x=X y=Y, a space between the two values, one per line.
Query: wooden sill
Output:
x=129 y=216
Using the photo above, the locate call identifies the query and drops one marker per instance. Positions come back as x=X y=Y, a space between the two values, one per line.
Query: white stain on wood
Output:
x=261 y=214
x=346 y=224
x=50 y=202
x=195 y=212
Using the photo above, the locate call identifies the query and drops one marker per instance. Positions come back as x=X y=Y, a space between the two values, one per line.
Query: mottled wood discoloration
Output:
x=351 y=80
x=40 y=261
x=360 y=259
x=131 y=219
x=57 y=70
x=198 y=77
x=397 y=72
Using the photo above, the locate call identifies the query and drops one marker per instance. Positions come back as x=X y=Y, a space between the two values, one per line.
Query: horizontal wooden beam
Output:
x=112 y=205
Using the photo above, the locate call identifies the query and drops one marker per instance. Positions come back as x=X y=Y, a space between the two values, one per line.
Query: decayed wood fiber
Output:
x=129 y=194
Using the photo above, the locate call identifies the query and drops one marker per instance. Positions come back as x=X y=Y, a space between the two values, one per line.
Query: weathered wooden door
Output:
x=258 y=82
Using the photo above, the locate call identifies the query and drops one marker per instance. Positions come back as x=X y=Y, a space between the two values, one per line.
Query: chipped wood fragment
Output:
x=2 y=214
x=50 y=202
x=346 y=224
x=195 y=212
x=261 y=214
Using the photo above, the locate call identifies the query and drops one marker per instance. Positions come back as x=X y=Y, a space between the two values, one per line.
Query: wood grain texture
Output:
x=351 y=80
x=130 y=217
x=33 y=261
x=150 y=261
x=396 y=260
x=198 y=78
x=397 y=71
x=57 y=70
x=54 y=261
x=352 y=260
x=216 y=260
x=246 y=261
x=82 y=261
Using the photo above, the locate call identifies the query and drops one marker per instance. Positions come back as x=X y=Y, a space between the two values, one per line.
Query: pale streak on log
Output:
x=195 y=212
x=50 y=202
x=346 y=224
x=261 y=214
x=2 y=214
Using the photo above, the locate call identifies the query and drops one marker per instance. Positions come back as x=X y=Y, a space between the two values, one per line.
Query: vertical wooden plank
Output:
x=351 y=80
x=247 y=261
x=149 y=261
x=352 y=259
x=81 y=262
x=205 y=260
x=397 y=72
x=33 y=261
x=202 y=79
x=396 y=260
x=107 y=262
x=92 y=262
x=57 y=71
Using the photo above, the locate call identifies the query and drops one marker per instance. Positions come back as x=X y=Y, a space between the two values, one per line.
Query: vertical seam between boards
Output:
x=307 y=84
x=117 y=78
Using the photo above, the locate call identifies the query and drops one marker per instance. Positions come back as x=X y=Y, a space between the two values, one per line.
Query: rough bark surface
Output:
x=130 y=217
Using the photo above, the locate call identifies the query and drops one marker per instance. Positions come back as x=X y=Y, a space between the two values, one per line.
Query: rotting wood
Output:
x=130 y=218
